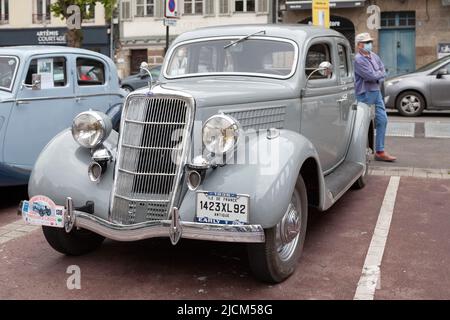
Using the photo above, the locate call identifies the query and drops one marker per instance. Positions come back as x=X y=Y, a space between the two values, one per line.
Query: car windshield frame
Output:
x=13 y=80
x=233 y=38
x=432 y=65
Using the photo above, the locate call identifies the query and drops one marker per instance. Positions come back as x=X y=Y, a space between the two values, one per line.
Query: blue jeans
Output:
x=375 y=97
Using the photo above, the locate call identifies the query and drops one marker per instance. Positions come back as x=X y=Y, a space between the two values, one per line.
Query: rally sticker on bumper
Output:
x=41 y=210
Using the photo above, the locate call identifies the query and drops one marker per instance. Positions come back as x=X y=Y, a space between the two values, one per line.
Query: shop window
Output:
x=90 y=72
x=52 y=71
x=317 y=53
x=4 y=11
x=88 y=13
x=224 y=6
x=398 y=19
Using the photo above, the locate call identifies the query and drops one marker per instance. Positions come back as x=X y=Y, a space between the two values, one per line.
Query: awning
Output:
x=334 y=4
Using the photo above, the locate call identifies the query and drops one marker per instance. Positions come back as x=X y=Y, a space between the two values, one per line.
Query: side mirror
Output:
x=441 y=73
x=325 y=69
x=36 y=82
x=144 y=68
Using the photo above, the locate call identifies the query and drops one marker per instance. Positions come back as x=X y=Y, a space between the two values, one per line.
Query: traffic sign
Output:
x=171 y=9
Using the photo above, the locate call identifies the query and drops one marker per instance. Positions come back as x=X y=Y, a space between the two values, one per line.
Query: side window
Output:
x=317 y=53
x=90 y=72
x=343 y=61
x=53 y=72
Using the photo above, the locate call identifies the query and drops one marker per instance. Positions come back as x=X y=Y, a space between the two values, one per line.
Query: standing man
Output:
x=369 y=76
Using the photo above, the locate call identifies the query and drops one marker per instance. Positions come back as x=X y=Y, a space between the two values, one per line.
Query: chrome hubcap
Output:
x=410 y=104
x=288 y=230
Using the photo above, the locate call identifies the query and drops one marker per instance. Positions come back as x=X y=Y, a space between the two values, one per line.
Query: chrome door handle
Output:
x=79 y=99
x=343 y=98
x=22 y=102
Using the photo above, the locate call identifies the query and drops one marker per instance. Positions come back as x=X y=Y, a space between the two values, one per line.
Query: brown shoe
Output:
x=384 y=156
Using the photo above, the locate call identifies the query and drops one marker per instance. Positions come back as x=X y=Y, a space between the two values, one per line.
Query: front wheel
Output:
x=74 y=243
x=276 y=259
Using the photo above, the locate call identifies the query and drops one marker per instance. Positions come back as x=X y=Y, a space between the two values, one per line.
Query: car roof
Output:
x=27 y=51
x=298 y=32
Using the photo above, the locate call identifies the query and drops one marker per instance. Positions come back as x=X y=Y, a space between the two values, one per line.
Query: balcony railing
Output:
x=4 y=19
x=39 y=18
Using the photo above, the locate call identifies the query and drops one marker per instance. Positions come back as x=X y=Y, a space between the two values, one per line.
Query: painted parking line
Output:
x=15 y=230
x=400 y=129
x=370 y=276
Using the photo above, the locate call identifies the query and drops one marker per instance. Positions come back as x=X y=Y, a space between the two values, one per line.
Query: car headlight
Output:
x=221 y=133
x=91 y=128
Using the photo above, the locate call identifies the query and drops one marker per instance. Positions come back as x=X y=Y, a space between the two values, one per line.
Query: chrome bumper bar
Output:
x=154 y=229
x=173 y=228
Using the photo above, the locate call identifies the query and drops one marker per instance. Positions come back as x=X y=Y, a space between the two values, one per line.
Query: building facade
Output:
x=143 y=34
x=412 y=33
x=30 y=22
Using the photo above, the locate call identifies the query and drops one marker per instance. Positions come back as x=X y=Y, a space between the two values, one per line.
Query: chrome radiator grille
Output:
x=153 y=133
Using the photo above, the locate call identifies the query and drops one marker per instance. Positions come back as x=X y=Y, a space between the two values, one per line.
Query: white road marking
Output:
x=370 y=277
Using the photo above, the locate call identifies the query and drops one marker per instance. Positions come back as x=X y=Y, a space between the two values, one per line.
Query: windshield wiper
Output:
x=243 y=38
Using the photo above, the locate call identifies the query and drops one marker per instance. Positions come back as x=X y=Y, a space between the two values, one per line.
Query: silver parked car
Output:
x=42 y=88
x=142 y=79
x=249 y=126
x=427 y=88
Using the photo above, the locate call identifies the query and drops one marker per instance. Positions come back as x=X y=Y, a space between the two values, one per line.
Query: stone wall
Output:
x=432 y=23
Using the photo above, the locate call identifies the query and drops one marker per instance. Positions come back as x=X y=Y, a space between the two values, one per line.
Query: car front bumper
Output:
x=173 y=228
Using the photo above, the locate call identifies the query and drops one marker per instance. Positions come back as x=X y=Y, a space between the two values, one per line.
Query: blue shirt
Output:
x=369 y=73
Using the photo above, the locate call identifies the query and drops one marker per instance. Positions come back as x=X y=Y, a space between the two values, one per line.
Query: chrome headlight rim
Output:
x=232 y=123
x=105 y=128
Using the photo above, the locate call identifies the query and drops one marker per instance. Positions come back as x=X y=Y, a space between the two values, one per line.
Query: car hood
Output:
x=408 y=75
x=220 y=91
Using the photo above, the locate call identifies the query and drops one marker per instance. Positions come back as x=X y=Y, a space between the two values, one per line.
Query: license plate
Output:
x=41 y=210
x=222 y=208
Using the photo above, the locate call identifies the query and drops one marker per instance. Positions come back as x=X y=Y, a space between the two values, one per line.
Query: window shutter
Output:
x=209 y=8
x=224 y=6
x=262 y=6
x=125 y=10
x=159 y=8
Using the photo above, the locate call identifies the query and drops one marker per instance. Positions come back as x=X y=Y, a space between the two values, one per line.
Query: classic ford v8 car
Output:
x=247 y=128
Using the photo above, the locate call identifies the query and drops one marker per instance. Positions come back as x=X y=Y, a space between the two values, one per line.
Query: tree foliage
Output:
x=59 y=9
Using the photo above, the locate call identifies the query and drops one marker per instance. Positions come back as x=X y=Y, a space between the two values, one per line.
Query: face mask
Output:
x=368 y=46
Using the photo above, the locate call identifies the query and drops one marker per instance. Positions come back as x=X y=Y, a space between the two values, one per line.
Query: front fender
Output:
x=61 y=171
x=269 y=182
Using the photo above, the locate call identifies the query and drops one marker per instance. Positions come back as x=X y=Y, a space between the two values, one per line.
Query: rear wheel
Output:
x=128 y=89
x=276 y=259
x=410 y=104
x=74 y=243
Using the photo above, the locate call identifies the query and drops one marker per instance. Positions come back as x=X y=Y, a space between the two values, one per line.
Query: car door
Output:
x=92 y=83
x=321 y=113
x=38 y=115
x=439 y=88
x=346 y=99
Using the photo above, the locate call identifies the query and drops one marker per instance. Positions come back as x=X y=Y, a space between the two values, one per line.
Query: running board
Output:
x=341 y=179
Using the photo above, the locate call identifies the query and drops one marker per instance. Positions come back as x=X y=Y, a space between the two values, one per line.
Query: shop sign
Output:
x=50 y=37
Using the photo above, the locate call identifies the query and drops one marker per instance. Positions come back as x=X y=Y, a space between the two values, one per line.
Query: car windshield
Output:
x=261 y=57
x=8 y=67
x=433 y=64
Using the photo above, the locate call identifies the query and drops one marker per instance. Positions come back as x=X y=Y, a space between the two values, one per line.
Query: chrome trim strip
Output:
x=235 y=37
x=68 y=97
x=154 y=229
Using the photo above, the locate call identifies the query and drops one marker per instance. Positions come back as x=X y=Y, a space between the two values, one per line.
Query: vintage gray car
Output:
x=42 y=88
x=248 y=127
